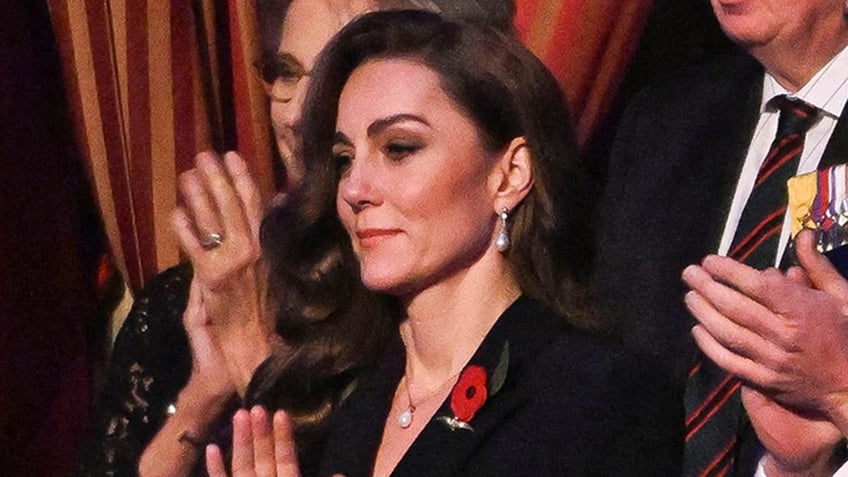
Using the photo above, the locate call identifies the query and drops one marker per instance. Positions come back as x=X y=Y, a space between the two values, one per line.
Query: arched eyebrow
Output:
x=341 y=138
x=379 y=126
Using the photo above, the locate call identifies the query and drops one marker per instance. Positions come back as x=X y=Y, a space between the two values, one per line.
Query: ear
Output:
x=512 y=176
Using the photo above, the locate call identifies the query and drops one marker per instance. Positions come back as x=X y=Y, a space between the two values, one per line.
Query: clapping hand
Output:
x=218 y=227
x=786 y=337
x=260 y=448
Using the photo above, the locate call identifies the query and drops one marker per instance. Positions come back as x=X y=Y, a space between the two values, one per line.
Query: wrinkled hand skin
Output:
x=220 y=196
x=786 y=337
x=798 y=442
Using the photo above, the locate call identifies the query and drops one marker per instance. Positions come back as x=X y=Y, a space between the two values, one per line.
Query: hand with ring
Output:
x=218 y=228
x=211 y=240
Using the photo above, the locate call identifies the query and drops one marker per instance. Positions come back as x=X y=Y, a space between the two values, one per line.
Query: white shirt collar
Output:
x=827 y=90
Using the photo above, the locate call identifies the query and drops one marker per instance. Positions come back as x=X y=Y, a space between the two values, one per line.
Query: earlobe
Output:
x=515 y=174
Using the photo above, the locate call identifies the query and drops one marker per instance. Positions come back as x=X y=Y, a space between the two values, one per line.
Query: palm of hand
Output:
x=795 y=439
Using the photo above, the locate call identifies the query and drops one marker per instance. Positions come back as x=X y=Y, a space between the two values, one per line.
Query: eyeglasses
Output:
x=280 y=75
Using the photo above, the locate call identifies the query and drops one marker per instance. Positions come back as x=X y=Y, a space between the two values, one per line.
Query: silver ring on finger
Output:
x=211 y=240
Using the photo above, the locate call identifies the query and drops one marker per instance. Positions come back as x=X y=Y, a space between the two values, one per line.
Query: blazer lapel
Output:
x=519 y=334
x=837 y=148
x=724 y=133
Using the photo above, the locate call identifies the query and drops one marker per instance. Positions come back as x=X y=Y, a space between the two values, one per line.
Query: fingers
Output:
x=215 y=461
x=761 y=286
x=242 y=444
x=820 y=271
x=199 y=197
x=246 y=189
x=725 y=311
x=749 y=370
x=220 y=196
x=259 y=448
x=799 y=276
x=219 y=186
x=285 y=451
x=263 y=442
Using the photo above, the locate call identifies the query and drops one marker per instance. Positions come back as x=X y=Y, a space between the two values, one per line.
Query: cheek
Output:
x=344 y=212
x=278 y=116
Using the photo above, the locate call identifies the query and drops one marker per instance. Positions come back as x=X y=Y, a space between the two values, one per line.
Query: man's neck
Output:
x=794 y=65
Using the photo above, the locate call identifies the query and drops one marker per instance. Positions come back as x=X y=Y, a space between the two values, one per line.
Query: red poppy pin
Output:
x=471 y=391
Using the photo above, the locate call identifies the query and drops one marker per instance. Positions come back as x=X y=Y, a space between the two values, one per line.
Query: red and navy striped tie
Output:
x=713 y=405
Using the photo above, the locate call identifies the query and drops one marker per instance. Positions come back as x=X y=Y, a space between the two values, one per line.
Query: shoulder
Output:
x=158 y=308
x=699 y=84
x=150 y=363
x=609 y=412
x=670 y=110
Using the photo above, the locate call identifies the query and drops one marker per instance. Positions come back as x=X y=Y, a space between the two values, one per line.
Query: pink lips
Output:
x=371 y=237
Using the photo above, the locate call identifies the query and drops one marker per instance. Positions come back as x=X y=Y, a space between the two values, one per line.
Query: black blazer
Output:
x=570 y=405
x=673 y=172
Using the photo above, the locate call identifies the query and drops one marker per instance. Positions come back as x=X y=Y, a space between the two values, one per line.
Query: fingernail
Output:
x=688 y=272
x=235 y=163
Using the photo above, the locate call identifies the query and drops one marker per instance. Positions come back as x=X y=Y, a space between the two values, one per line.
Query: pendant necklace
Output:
x=404 y=419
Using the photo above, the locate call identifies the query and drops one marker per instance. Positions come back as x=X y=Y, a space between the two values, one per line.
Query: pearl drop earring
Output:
x=502 y=242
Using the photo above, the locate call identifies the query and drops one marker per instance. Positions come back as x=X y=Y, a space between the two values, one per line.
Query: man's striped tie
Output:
x=713 y=405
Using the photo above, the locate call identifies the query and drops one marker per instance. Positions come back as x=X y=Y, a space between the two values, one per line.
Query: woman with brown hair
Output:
x=443 y=205
x=174 y=379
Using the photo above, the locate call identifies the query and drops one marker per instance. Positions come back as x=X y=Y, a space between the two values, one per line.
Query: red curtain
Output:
x=151 y=83
x=588 y=45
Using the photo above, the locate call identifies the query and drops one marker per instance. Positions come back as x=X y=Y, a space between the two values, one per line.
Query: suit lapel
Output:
x=725 y=132
x=837 y=148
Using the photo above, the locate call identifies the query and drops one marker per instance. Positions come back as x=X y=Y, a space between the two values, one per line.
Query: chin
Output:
x=387 y=283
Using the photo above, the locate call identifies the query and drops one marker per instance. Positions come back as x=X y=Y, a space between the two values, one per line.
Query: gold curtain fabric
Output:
x=152 y=82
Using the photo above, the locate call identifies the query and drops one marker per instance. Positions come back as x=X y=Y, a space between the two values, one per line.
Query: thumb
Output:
x=195 y=312
x=819 y=270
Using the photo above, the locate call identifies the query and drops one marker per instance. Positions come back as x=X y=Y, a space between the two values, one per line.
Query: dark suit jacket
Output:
x=673 y=172
x=570 y=405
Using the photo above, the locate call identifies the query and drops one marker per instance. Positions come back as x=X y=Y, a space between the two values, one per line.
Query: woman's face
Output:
x=308 y=27
x=416 y=193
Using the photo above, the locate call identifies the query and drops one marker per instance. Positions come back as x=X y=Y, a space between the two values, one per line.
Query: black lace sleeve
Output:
x=150 y=364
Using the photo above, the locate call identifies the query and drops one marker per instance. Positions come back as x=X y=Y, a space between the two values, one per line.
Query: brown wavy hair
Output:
x=335 y=326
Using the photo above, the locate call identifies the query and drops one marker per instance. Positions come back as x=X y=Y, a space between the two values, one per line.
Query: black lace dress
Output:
x=150 y=364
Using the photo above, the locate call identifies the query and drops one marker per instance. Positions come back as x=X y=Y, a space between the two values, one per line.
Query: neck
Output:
x=447 y=322
x=794 y=64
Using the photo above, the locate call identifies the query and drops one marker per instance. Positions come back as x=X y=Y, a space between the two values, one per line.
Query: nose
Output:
x=286 y=114
x=358 y=185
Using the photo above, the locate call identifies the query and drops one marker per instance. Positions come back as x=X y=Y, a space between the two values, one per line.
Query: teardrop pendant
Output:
x=502 y=240
x=404 y=419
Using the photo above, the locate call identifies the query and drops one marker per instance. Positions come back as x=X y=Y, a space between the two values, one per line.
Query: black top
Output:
x=150 y=364
x=569 y=405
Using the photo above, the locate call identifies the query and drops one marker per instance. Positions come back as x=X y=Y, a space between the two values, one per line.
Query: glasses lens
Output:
x=281 y=76
x=282 y=89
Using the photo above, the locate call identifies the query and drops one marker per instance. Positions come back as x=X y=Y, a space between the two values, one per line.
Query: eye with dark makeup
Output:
x=398 y=149
x=342 y=157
